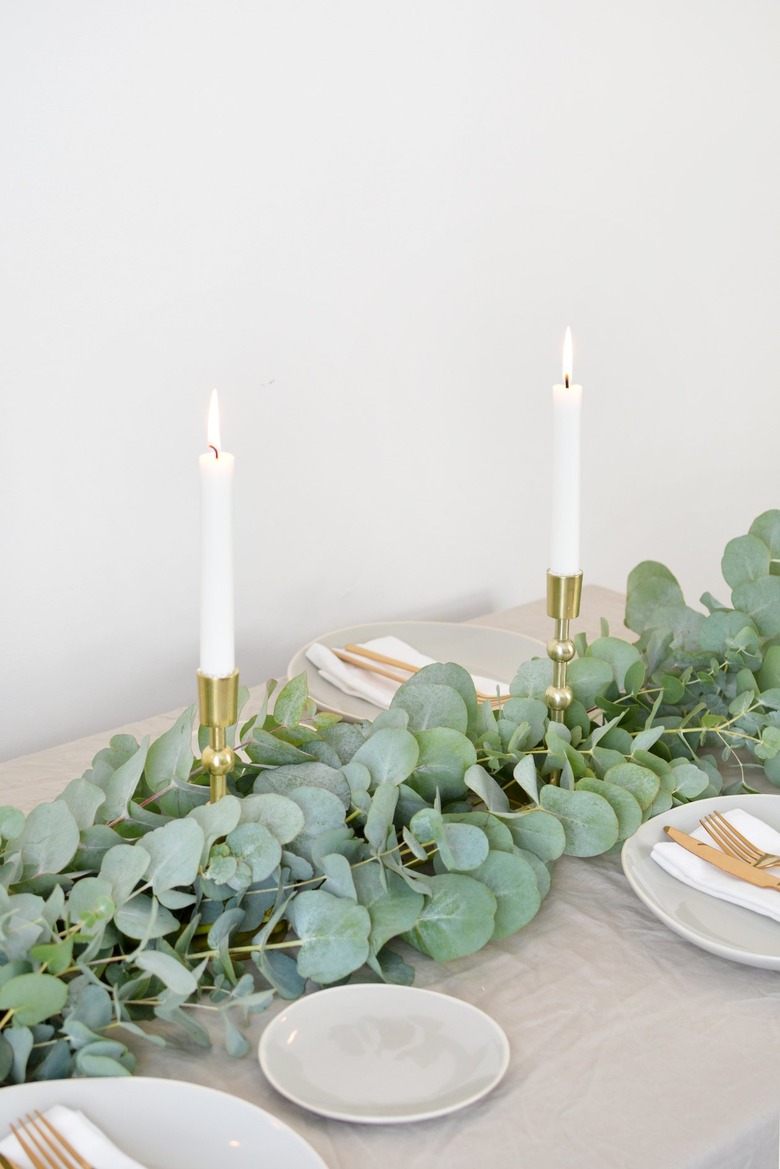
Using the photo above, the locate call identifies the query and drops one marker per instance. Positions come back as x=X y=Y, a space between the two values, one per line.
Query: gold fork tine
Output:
x=365 y=659
x=735 y=844
x=720 y=831
x=52 y=1150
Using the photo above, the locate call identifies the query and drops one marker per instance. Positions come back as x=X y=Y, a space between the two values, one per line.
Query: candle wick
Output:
x=567 y=381
x=216 y=452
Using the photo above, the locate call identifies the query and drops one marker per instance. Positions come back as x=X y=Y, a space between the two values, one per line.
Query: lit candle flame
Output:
x=567 y=362
x=212 y=431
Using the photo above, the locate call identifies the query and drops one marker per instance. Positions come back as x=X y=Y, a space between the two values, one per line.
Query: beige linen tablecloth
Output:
x=631 y=1049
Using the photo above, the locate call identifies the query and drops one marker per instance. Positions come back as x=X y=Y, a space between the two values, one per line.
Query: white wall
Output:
x=368 y=224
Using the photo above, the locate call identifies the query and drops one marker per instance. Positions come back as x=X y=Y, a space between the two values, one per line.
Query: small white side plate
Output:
x=170 y=1124
x=480 y=649
x=723 y=929
x=381 y=1054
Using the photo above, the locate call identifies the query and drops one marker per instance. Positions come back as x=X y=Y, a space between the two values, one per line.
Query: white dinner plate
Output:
x=492 y=653
x=381 y=1054
x=724 y=929
x=170 y=1124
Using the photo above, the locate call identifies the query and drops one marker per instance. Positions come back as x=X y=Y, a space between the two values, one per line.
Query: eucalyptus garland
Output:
x=130 y=897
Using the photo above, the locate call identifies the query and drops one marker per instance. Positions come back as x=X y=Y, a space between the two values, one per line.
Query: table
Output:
x=631 y=1049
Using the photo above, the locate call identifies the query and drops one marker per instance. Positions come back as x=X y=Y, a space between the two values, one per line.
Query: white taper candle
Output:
x=217 y=635
x=567 y=402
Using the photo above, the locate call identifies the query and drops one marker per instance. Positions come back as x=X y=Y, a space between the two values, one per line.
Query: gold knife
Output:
x=729 y=864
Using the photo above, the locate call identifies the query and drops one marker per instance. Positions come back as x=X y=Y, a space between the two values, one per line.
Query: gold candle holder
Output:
x=218 y=701
x=563 y=603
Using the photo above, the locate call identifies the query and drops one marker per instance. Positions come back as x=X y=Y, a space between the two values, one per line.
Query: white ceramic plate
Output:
x=493 y=653
x=381 y=1054
x=170 y=1124
x=726 y=930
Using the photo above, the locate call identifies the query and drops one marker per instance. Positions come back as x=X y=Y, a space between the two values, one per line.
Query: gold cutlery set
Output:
x=736 y=855
x=375 y=663
x=45 y=1145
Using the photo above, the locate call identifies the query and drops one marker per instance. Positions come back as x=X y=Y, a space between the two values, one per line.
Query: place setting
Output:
x=695 y=868
x=355 y=672
x=142 y=1123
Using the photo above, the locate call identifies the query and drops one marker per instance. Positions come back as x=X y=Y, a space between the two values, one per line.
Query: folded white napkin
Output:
x=373 y=687
x=697 y=873
x=85 y=1137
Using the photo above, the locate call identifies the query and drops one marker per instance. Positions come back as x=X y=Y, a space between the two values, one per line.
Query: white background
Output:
x=368 y=224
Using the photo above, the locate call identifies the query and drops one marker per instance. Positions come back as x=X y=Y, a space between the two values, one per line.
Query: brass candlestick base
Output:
x=218 y=701
x=563 y=603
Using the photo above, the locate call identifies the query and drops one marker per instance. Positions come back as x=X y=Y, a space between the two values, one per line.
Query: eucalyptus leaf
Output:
x=390 y=755
x=760 y=599
x=48 y=840
x=767 y=528
x=512 y=881
x=333 y=933
x=643 y=783
x=532 y=679
x=290 y=703
x=625 y=805
x=171 y=972
x=392 y=905
x=444 y=758
x=618 y=655
x=169 y=758
x=457 y=919
x=539 y=832
x=589 y=822
x=430 y=704
x=33 y=997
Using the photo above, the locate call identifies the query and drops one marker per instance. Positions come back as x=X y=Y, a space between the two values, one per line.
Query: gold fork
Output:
x=735 y=844
x=45 y=1145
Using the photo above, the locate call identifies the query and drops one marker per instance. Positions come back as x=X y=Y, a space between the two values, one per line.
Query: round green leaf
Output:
x=33 y=997
x=761 y=600
x=48 y=840
x=392 y=905
x=453 y=675
x=445 y=756
x=334 y=934
x=531 y=711
x=254 y=844
x=457 y=918
x=767 y=528
x=122 y=868
x=745 y=558
x=390 y=755
x=498 y=835
x=588 y=678
x=281 y=816
x=618 y=654
x=643 y=783
x=430 y=704
x=690 y=781
x=532 y=679
x=467 y=844
x=651 y=586
x=512 y=881
x=538 y=832
x=625 y=806
x=175 y=852
x=286 y=780
x=91 y=904
x=589 y=823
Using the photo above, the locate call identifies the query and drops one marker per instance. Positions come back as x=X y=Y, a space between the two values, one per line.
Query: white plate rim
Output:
x=445 y=1001
x=686 y=817
x=349 y=707
x=88 y=1094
